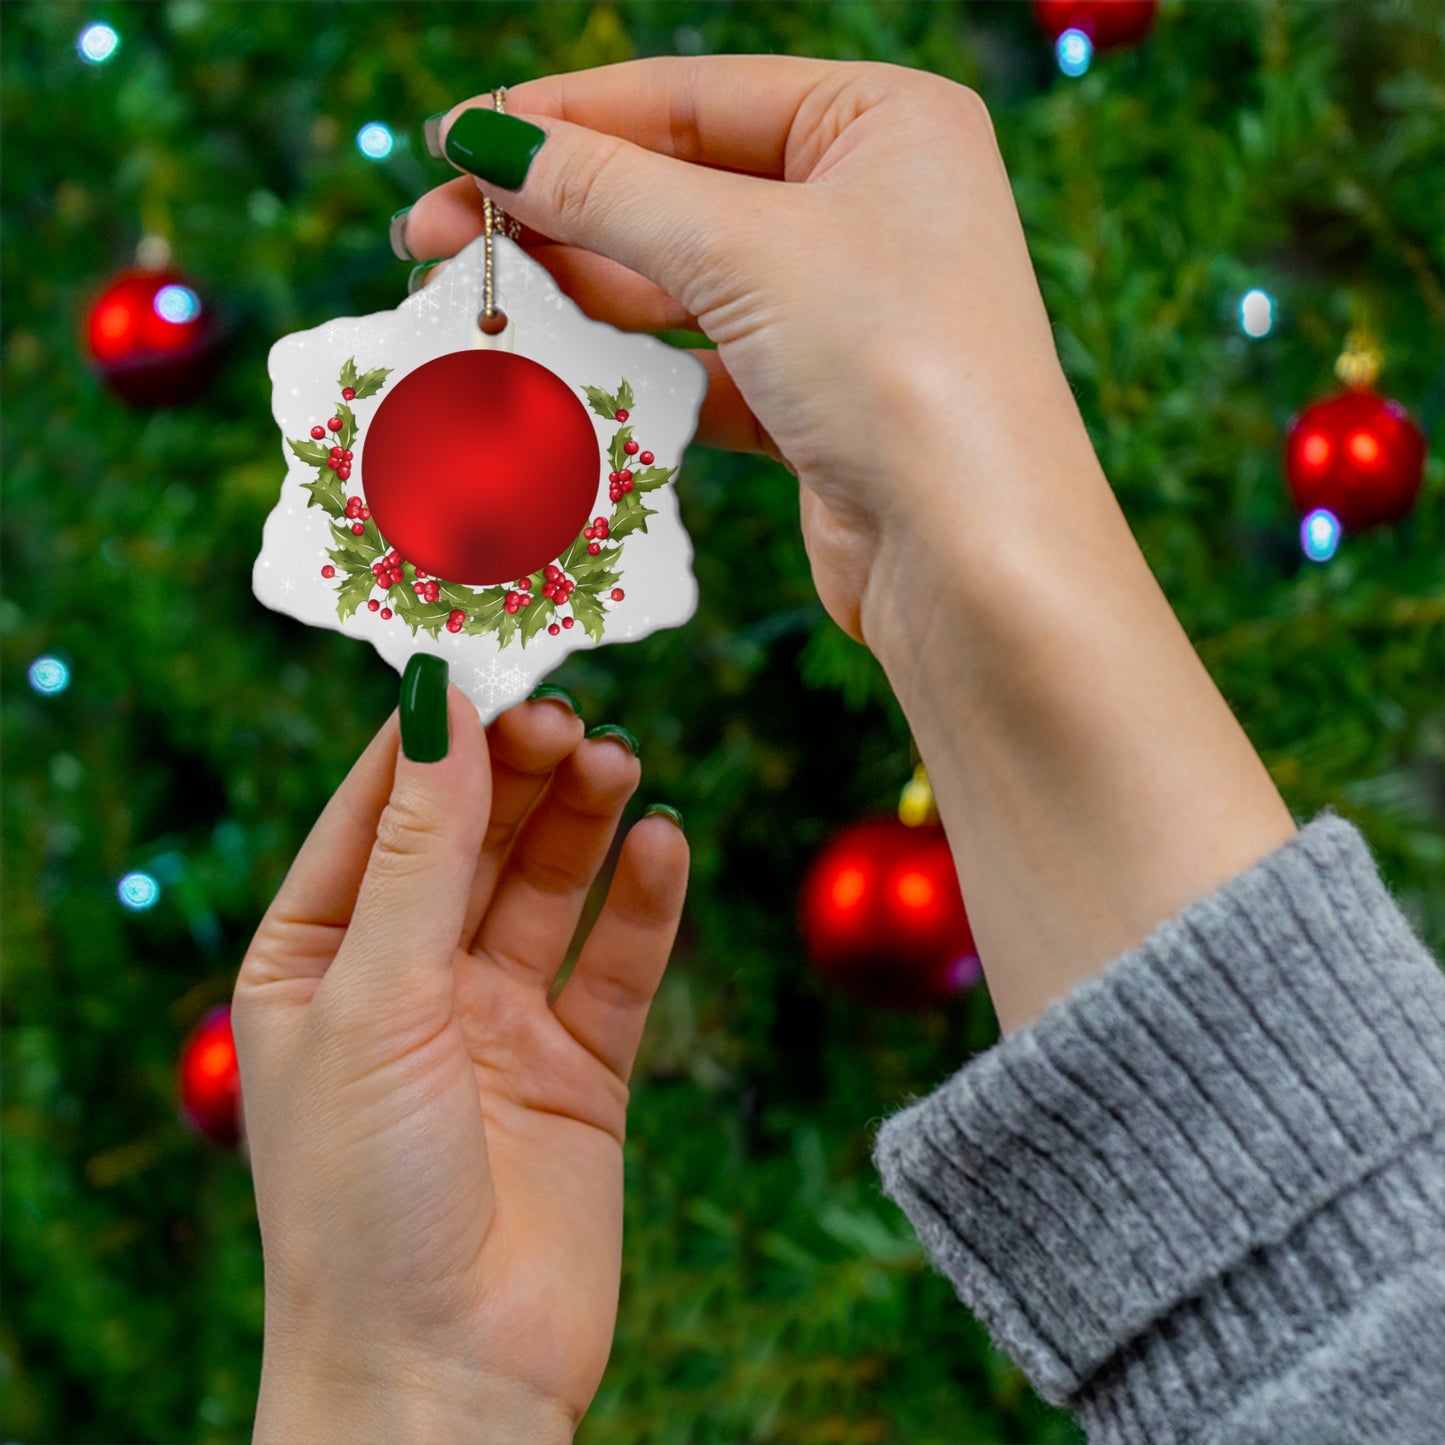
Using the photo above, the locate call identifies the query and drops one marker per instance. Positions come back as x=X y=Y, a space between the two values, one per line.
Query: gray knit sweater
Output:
x=1202 y=1198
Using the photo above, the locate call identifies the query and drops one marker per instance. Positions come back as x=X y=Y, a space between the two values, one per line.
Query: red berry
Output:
x=386 y=614
x=630 y=448
x=526 y=599
x=318 y=432
x=525 y=584
x=328 y=570
x=420 y=575
x=548 y=590
x=358 y=529
x=627 y=485
x=343 y=471
x=348 y=393
x=455 y=624
x=347 y=455
x=553 y=629
x=365 y=514
x=617 y=594
x=614 y=494
x=621 y=415
x=333 y=464
x=568 y=621
x=589 y=532
x=614 y=476
x=602 y=530
x=433 y=592
x=624 y=476
x=647 y=459
x=593 y=548
x=373 y=605
x=337 y=453
x=334 y=423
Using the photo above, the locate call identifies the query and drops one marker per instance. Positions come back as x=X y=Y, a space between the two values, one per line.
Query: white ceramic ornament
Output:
x=485 y=469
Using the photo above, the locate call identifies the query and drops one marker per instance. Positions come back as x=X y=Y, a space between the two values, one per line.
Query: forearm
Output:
x=420 y=1401
x=1091 y=778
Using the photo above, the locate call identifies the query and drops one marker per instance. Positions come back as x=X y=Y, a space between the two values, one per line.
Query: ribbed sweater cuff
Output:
x=1192 y=1115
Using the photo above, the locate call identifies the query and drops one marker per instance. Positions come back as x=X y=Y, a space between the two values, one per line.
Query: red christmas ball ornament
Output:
x=481 y=466
x=152 y=338
x=1107 y=23
x=210 y=1080
x=1358 y=455
x=883 y=917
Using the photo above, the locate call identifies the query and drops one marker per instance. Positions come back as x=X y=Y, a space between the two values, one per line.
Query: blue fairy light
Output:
x=177 y=304
x=375 y=140
x=1074 y=51
x=1256 y=313
x=49 y=675
x=1319 y=535
x=97 y=43
x=138 y=891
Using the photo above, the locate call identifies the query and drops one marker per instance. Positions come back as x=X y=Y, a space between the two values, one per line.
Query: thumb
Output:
x=664 y=218
x=395 y=963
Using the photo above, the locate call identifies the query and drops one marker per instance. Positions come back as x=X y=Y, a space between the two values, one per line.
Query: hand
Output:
x=886 y=287
x=437 y=1150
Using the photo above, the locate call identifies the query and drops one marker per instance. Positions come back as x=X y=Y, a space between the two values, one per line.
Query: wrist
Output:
x=440 y=1402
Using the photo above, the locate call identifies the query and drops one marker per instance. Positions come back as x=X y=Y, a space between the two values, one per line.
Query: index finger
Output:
x=733 y=112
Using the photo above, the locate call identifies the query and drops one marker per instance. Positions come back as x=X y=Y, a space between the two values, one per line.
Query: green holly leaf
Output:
x=615 y=454
x=313 y=453
x=326 y=492
x=624 y=396
x=506 y=628
x=649 y=479
x=348 y=374
x=587 y=567
x=587 y=609
x=367 y=546
x=352 y=593
x=347 y=434
x=371 y=382
x=632 y=522
x=600 y=402
x=534 y=618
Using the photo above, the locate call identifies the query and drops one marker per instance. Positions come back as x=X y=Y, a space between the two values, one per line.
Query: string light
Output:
x=97 y=44
x=177 y=304
x=375 y=140
x=1319 y=535
x=1074 y=51
x=1256 y=313
x=138 y=891
x=49 y=675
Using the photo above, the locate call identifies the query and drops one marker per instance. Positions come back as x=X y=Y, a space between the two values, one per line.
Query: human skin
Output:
x=847 y=236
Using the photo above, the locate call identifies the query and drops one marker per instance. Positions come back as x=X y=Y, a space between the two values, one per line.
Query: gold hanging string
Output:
x=494 y=219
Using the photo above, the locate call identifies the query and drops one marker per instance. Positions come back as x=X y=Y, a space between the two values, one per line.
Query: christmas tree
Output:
x=168 y=741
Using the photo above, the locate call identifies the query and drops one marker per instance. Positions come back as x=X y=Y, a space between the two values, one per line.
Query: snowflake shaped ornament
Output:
x=520 y=501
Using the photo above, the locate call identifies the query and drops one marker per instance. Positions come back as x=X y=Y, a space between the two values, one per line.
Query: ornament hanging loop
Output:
x=494 y=329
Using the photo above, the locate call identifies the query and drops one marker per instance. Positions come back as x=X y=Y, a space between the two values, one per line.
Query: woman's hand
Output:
x=437 y=1149
x=878 y=324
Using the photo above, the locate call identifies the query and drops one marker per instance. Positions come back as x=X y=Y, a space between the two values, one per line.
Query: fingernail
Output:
x=431 y=131
x=397 y=234
x=666 y=811
x=498 y=148
x=424 y=733
x=550 y=689
x=615 y=730
x=413 y=282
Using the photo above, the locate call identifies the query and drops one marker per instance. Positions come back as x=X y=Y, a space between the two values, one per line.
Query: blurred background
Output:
x=1218 y=196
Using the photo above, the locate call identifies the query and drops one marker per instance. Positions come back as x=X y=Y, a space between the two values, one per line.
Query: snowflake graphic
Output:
x=426 y=300
x=499 y=683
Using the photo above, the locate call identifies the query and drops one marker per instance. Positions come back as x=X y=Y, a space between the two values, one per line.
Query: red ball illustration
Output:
x=480 y=467
x=1107 y=23
x=210 y=1079
x=1357 y=455
x=883 y=916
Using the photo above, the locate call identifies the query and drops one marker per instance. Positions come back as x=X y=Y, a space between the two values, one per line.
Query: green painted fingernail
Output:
x=413 y=282
x=550 y=689
x=431 y=133
x=666 y=811
x=396 y=233
x=615 y=730
x=424 y=734
x=498 y=148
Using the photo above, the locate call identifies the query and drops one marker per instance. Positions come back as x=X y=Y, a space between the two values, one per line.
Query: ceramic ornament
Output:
x=498 y=500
